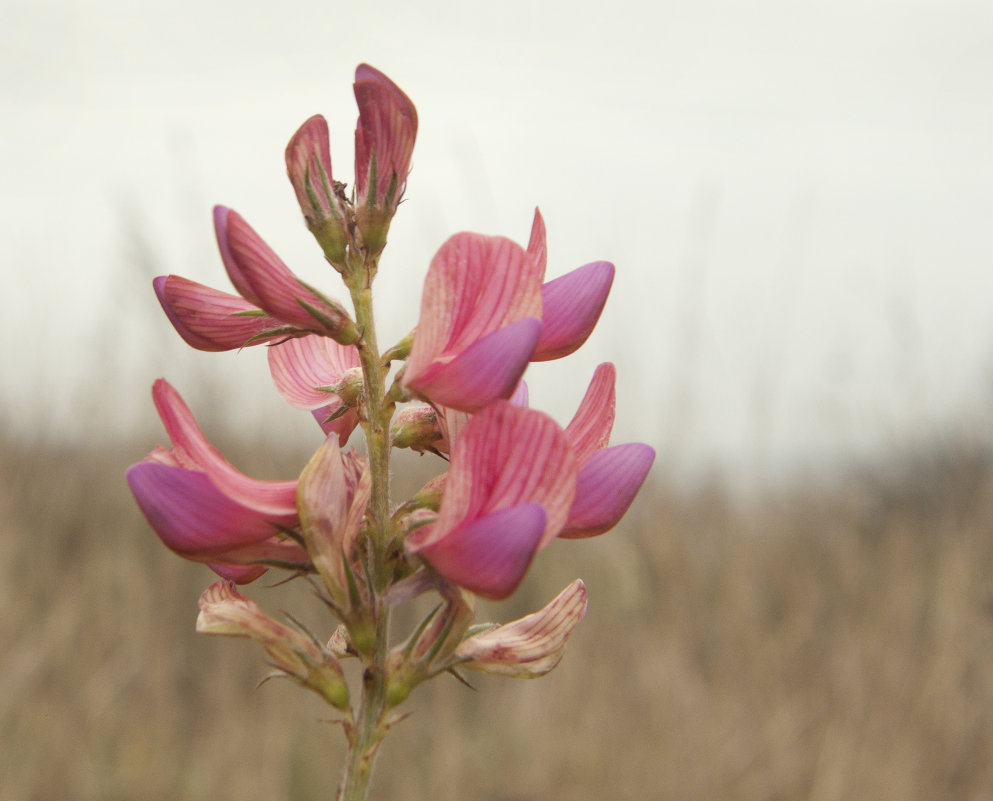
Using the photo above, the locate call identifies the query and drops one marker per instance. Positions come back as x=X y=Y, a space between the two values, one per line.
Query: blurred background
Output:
x=798 y=200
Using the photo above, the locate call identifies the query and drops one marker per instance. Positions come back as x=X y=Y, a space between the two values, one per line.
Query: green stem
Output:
x=369 y=727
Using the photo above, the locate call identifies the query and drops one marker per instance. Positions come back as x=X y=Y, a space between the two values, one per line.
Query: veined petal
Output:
x=509 y=456
x=488 y=369
x=529 y=647
x=476 y=285
x=308 y=164
x=571 y=306
x=300 y=366
x=211 y=320
x=276 y=500
x=239 y=574
x=490 y=554
x=384 y=138
x=606 y=487
x=538 y=245
x=191 y=515
x=589 y=429
x=262 y=278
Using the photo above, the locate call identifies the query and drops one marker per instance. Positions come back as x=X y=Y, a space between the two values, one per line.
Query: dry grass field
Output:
x=827 y=642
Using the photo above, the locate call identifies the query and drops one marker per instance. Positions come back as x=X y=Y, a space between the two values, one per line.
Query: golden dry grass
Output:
x=829 y=642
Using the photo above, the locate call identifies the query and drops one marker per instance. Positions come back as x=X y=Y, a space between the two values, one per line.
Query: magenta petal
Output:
x=239 y=574
x=488 y=369
x=490 y=555
x=191 y=515
x=209 y=319
x=571 y=306
x=606 y=487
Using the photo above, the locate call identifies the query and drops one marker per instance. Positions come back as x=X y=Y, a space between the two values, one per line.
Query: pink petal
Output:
x=262 y=277
x=308 y=164
x=386 y=129
x=491 y=554
x=571 y=306
x=508 y=456
x=488 y=369
x=276 y=500
x=537 y=244
x=209 y=319
x=239 y=574
x=191 y=515
x=589 y=430
x=300 y=366
x=606 y=487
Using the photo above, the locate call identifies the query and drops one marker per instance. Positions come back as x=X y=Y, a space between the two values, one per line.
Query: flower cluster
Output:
x=516 y=480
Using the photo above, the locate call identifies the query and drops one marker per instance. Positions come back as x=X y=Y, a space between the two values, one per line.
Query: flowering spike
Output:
x=529 y=647
x=571 y=306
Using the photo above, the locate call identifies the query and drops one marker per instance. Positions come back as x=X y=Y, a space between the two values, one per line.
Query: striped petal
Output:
x=211 y=320
x=589 y=430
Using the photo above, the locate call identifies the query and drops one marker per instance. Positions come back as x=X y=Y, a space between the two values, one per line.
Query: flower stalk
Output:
x=516 y=480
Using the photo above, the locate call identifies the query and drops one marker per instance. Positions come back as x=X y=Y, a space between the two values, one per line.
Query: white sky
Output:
x=797 y=197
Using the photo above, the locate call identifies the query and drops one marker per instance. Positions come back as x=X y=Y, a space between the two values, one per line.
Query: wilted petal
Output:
x=589 y=429
x=211 y=320
x=488 y=555
x=384 y=138
x=275 y=500
x=607 y=485
x=571 y=306
x=262 y=278
x=224 y=611
x=529 y=647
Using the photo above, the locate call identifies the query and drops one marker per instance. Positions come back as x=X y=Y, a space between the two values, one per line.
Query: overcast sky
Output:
x=797 y=197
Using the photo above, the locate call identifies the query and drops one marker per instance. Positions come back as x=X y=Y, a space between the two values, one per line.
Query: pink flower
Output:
x=276 y=303
x=609 y=478
x=507 y=494
x=485 y=314
x=304 y=368
x=384 y=139
x=204 y=509
x=479 y=324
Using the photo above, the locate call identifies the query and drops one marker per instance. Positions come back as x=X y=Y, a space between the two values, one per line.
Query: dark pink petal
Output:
x=509 y=456
x=209 y=319
x=262 y=278
x=308 y=164
x=606 y=487
x=239 y=574
x=191 y=515
x=490 y=555
x=276 y=500
x=384 y=138
x=571 y=306
x=589 y=430
x=488 y=369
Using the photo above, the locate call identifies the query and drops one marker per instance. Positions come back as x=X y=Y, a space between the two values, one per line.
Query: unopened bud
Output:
x=415 y=427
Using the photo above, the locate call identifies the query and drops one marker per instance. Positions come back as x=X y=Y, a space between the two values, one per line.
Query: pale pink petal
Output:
x=211 y=320
x=607 y=485
x=538 y=245
x=520 y=396
x=276 y=500
x=571 y=306
x=589 y=430
x=262 y=277
x=341 y=427
x=490 y=554
x=529 y=647
x=487 y=369
x=300 y=366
